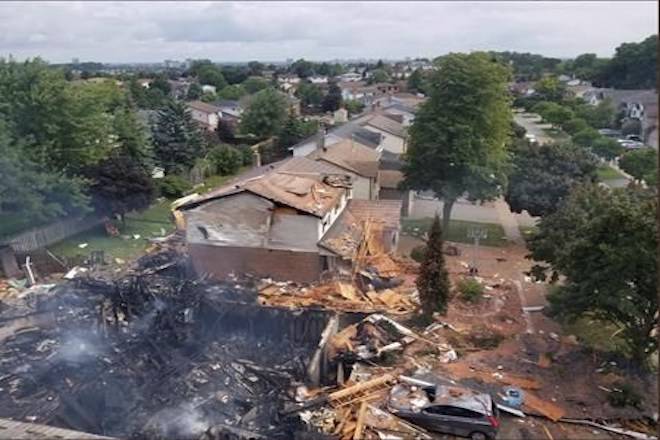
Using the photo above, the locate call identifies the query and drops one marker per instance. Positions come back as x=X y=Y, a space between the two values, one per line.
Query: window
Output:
x=452 y=411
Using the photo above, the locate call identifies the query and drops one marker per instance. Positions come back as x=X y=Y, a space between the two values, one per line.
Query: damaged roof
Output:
x=350 y=155
x=315 y=193
x=387 y=212
x=344 y=236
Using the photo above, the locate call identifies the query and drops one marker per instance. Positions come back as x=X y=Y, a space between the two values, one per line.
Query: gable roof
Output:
x=351 y=156
x=388 y=125
x=203 y=107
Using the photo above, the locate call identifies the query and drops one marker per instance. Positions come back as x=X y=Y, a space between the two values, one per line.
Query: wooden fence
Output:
x=38 y=238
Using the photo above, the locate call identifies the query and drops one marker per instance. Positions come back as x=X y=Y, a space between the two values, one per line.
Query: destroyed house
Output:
x=292 y=222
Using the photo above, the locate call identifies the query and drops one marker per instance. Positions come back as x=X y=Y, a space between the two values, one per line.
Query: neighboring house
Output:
x=205 y=114
x=632 y=102
x=387 y=88
x=293 y=104
x=406 y=114
x=230 y=111
x=394 y=133
x=358 y=91
x=318 y=79
x=283 y=223
x=179 y=88
x=350 y=77
x=389 y=181
x=207 y=88
x=359 y=161
x=288 y=79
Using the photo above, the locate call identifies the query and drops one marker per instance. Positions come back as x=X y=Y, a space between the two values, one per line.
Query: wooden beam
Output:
x=359 y=426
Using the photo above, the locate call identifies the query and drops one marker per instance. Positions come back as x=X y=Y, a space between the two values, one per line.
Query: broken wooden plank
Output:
x=359 y=424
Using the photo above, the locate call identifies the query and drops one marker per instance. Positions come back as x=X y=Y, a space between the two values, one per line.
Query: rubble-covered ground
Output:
x=148 y=355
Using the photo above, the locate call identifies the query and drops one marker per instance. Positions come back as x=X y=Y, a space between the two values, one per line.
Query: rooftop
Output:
x=386 y=124
x=387 y=212
x=350 y=155
x=203 y=107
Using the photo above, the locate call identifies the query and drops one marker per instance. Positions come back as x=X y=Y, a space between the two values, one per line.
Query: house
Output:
x=280 y=222
x=355 y=159
x=179 y=88
x=230 y=111
x=207 y=88
x=404 y=115
x=358 y=91
x=318 y=79
x=389 y=181
x=288 y=79
x=293 y=103
x=394 y=133
x=207 y=115
x=350 y=77
x=387 y=88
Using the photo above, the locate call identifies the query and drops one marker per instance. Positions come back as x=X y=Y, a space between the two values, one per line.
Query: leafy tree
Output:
x=234 y=74
x=416 y=81
x=233 y=92
x=208 y=97
x=574 y=125
x=177 y=138
x=160 y=83
x=253 y=85
x=634 y=66
x=208 y=73
x=309 y=94
x=333 y=100
x=641 y=164
x=607 y=148
x=265 y=114
x=194 y=92
x=353 y=107
x=226 y=160
x=433 y=279
x=586 y=138
x=550 y=89
x=173 y=186
x=302 y=68
x=599 y=116
x=556 y=114
x=378 y=76
x=458 y=140
x=31 y=195
x=255 y=68
x=604 y=243
x=120 y=185
x=542 y=176
x=587 y=66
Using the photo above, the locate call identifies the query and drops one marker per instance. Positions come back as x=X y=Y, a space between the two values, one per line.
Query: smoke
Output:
x=79 y=347
x=183 y=421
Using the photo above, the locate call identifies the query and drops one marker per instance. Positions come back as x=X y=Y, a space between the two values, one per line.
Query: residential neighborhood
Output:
x=329 y=220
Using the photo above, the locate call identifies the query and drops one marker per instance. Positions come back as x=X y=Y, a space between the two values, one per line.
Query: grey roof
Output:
x=203 y=107
x=347 y=131
x=386 y=124
x=399 y=107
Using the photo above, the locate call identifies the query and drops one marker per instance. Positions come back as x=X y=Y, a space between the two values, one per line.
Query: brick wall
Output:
x=220 y=261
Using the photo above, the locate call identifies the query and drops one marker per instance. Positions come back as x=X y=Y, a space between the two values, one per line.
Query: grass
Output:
x=458 y=231
x=606 y=172
x=147 y=224
x=596 y=334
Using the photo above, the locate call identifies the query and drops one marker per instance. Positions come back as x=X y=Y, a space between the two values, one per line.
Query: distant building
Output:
x=318 y=79
x=205 y=114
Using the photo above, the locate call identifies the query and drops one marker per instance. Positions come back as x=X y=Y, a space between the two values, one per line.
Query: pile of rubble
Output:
x=151 y=354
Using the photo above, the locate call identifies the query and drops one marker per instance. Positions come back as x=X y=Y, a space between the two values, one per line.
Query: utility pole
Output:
x=476 y=233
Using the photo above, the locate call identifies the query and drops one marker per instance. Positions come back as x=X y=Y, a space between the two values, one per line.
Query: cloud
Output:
x=241 y=31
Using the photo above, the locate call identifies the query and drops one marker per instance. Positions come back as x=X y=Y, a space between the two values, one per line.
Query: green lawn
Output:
x=606 y=172
x=147 y=224
x=596 y=334
x=458 y=231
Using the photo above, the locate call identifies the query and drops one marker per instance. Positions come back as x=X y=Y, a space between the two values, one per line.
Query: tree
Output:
x=265 y=114
x=226 y=160
x=225 y=131
x=309 y=94
x=233 y=92
x=234 y=74
x=194 y=92
x=253 y=85
x=160 y=83
x=607 y=148
x=302 y=68
x=255 y=68
x=332 y=101
x=209 y=73
x=353 y=107
x=641 y=164
x=177 y=138
x=433 y=281
x=586 y=138
x=556 y=114
x=604 y=243
x=634 y=66
x=550 y=89
x=378 y=76
x=574 y=125
x=542 y=176
x=416 y=81
x=30 y=194
x=457 y=143
x=599 y=116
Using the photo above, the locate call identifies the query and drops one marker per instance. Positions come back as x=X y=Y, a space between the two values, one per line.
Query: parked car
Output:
x=446 y=409
x=633 y=137
x=630 y=144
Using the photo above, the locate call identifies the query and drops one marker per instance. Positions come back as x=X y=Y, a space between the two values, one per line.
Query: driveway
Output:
x=532 y=123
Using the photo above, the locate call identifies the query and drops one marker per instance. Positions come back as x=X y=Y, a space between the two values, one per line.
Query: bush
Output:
x=247 y=156
x=574 y=125
x=173 y=186
x=227 y=160
x=586 y=138
x=471 y=290
x=418 y=253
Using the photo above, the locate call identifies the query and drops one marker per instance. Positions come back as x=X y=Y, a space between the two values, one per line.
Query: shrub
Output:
x=173 y=186
x=418 y=252
x=227 y=160
x=574 y=125
x=471 y=290
x=247 y=156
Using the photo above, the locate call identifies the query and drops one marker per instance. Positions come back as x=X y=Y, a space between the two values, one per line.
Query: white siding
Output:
x=391 y=143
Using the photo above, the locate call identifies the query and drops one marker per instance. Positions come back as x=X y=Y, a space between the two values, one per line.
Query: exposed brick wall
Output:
x=220 y=261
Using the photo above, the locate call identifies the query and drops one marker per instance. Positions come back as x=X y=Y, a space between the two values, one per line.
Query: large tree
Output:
x=604 y=242
x=265 y=114
x=641 y=164
x=333 y=99
x=634 y=66
x=542 y=175
x=433 y=279
x=309 y=94
x=458 y=140
x=177 y=138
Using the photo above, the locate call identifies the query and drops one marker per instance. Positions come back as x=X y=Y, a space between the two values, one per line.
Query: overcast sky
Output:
x=242 y=31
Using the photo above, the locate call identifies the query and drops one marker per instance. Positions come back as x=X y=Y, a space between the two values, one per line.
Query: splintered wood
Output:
x=338 y=295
